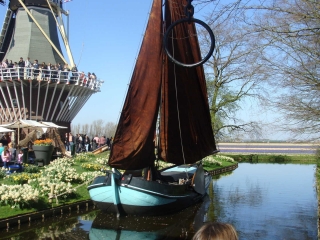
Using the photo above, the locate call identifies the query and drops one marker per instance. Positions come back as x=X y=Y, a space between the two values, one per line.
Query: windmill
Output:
x=31 y=29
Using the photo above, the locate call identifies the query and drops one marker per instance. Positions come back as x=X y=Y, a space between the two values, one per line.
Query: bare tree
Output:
x=291 y=31
x=85 y=129
x=97 y=127
x=235 y=71
x=110 y=129
x=75 y=129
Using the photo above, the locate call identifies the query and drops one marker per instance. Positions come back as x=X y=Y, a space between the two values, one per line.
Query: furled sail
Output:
x=186 y=134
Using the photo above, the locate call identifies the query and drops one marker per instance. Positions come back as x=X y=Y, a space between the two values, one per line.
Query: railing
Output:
x=51 y=76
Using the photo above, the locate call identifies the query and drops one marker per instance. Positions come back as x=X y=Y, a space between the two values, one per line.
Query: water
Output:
x=262 y=201
x=268 y=201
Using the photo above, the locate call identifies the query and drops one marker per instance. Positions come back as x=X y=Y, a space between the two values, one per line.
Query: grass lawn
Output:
x=271 y=158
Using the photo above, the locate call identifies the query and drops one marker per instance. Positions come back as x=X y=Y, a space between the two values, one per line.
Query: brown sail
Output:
x=186 y=131
x=186 y=134
x=133 y=146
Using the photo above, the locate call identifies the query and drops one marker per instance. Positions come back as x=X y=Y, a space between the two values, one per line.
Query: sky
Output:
x=105 y=38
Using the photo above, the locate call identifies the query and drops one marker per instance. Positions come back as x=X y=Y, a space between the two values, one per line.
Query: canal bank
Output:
x=76 y=206
x=28 y=218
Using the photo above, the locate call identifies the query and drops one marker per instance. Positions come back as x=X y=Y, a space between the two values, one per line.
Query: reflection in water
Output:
x=175 y=226
x=268 y=201
x=66 y=226
x=262 y=201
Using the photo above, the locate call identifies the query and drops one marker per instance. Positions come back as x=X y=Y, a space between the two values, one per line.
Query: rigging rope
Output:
x=177 y=100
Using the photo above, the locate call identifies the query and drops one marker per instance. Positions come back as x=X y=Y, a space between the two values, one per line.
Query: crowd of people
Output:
x=83 y=143
x=25 y=70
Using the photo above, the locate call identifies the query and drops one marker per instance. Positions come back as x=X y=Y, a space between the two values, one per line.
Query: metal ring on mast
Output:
x=167 y=33
x=189 y=11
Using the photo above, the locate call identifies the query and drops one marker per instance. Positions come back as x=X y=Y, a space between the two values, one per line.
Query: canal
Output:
x=262 y=201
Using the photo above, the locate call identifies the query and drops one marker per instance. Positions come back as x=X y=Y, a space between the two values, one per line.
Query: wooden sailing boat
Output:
x=179 y=96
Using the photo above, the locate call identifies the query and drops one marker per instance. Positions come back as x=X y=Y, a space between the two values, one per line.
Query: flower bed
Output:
x=94 y=167
x=22 y=178
x=63 y=176
x=18 y=195
x=216 y=160
x=43 y=142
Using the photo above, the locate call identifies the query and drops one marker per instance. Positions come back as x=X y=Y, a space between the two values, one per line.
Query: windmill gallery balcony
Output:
x=50 y=76
x=42 y=94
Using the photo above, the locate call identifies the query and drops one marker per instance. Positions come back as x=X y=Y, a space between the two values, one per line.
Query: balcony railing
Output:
x=51 y=76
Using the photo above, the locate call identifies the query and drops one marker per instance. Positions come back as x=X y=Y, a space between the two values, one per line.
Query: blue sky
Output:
x=105 y=38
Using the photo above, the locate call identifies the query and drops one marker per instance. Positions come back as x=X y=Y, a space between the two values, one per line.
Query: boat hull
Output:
x=128 y=195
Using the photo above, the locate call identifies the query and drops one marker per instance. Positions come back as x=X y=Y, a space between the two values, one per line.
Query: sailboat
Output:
x=165 y=117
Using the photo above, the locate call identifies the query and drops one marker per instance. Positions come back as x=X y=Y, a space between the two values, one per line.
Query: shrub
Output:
x=279 y=158
x=102 y=161
x=61 y=169
x=212 y=160
x=83 y=157
x=94 y=167
x=318 y=156
x=3 y=173
x=44 y=184
x=87 y=176
x=30 y=168
x=22 y=178
x=18 y=195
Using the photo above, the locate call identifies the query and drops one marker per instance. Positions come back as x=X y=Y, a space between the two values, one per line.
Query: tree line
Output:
x=268 y=52
x=96 y=128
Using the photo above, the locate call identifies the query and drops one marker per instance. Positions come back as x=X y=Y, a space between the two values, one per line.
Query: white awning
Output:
x=23 y=124
x=52 y=125
x=4 y=130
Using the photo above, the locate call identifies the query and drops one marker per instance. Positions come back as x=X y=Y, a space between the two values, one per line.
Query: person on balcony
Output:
x=35 y=67
x=74 y=71
x=21 y=66
x=27 y=70
x=65 y=73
